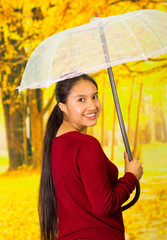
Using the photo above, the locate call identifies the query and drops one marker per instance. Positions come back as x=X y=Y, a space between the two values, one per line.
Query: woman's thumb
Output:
x=126 y=156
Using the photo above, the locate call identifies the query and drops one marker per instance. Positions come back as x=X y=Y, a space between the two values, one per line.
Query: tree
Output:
x=113 y=127
x=137 y=121
x=22 y=29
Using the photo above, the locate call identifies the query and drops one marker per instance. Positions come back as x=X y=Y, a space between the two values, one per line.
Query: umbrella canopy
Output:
x=136 y=35
x=98 y=45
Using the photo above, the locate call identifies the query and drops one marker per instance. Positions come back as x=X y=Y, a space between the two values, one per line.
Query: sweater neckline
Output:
x=67 y=134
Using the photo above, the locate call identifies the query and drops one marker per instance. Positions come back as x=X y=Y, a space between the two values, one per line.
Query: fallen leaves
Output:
x=147 y=219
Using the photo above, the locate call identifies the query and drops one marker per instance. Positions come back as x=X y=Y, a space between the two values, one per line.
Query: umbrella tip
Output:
x=96 y=15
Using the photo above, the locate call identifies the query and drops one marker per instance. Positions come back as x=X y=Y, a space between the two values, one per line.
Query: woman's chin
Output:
x=92 y=124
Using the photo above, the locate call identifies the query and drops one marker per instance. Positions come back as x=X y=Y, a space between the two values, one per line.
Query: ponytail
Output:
x=47 y=208
x=53 y=124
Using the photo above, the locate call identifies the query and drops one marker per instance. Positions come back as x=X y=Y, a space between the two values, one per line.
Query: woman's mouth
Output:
x=90 y=116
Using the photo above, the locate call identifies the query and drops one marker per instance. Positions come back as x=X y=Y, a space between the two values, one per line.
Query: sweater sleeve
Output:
x=104 y=197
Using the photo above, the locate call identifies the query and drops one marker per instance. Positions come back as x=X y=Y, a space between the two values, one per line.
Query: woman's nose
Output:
x=91 y=105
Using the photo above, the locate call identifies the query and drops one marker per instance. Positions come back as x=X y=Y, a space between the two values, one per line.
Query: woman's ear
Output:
x=62 y=107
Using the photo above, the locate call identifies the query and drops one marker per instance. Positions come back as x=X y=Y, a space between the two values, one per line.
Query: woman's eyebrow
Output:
x=85 y=95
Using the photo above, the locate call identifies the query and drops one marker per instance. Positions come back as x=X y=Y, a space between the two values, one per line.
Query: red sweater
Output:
x=88 y=192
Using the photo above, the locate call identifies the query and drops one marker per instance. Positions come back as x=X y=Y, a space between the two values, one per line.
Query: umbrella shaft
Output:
x=119 y=114
x=115 y=95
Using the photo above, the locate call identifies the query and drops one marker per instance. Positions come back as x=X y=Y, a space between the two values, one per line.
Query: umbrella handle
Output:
x=119 y=114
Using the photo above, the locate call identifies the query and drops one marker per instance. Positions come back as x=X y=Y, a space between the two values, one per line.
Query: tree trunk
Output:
x=25 y=147
x=137 y=121
x=157 y=122
x=14 y=133
x=102 y=115
x=36 y=128
x=113 y=128
x=113 y=134
x=152 y=120
x=164 y=126
x=91 y=131
x=129 y=109
x=13 y=124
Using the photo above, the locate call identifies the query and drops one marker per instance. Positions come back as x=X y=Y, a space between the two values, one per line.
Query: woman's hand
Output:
x=134 y=166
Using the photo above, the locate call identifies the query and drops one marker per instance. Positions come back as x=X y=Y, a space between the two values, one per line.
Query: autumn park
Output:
x=142 y=91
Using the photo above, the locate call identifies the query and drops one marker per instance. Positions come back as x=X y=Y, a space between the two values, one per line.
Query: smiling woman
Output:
x=81 y=109
x=80 y=195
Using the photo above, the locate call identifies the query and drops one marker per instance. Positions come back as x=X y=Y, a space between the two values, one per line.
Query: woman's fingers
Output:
x=134 y=166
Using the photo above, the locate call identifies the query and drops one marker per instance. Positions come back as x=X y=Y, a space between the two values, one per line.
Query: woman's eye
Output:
x=95 y=97
x=81 y=99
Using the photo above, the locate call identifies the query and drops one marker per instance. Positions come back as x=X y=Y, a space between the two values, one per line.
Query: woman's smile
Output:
x=91 y=116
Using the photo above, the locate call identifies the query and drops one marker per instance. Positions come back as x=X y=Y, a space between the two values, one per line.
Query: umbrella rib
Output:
x=150 y=28
x=140 y=48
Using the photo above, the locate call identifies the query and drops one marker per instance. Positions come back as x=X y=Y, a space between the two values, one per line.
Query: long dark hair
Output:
x=47 y=208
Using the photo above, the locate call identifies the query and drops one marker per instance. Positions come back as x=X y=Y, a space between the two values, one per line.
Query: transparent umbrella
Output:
x=100 y=44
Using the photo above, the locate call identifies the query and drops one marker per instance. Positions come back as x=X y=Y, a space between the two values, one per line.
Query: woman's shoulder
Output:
x=76 y=136
x=77 y=142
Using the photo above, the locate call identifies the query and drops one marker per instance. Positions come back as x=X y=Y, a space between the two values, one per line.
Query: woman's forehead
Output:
x=83 y=87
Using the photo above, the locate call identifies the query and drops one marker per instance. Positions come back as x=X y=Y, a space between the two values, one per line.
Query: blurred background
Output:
x=142 y=90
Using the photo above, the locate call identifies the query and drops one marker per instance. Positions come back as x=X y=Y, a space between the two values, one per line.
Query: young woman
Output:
x=80 y=195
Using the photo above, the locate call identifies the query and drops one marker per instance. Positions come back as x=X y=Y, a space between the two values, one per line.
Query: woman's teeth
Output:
x=90 y=115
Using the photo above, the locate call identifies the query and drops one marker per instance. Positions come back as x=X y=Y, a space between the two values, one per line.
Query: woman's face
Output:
x=83 y=106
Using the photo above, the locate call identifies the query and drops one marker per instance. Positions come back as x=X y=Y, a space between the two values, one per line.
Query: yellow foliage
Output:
x=18 y=206
x=147 y=219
